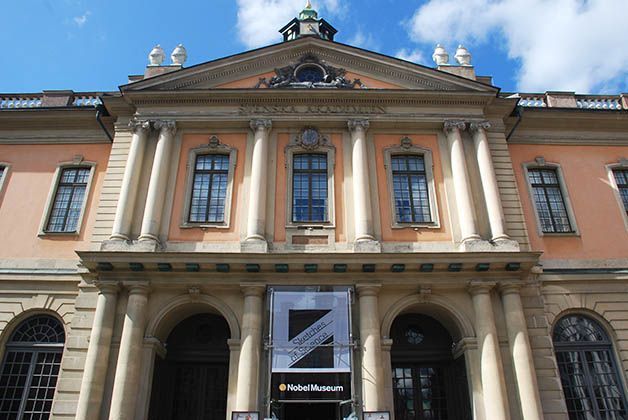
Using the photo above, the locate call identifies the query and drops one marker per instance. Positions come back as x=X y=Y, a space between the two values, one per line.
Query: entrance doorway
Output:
x=428 y=383
x=191 y=382
x=310 y=411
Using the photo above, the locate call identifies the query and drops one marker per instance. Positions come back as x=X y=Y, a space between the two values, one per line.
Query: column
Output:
x=489 y=180
x=370 y=339
x=361 y=185
x=130 y=181
x=250 y=349
x=256 y=222
x=493 y=383
x=521 y=352
x=93 y=384
x=460 y=176
x=126 y=381
x=158 y=182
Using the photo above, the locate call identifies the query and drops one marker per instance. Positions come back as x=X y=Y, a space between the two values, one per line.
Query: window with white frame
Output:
x=409 y=170
x=68 y=196
x=309 y=188
x=621 y=180
x=209 y=185
x=4 y=171
x=309 y=164
x=552 y=207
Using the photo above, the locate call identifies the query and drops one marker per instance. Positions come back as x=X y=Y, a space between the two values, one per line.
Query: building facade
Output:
x=313 y=230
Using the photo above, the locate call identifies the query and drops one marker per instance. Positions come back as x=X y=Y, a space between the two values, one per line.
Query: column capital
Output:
x=478 y=287
x=479 y=125
x=136 y=288
x=261 y=124
x=453 y=125
x=107 y=287
x=358 y=124
x=252 y=289
x=370 y=289
x=139 y=126
x=509 y=287
x=166 y=126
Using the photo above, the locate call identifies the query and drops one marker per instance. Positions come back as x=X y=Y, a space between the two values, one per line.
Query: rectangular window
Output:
x=209 y=189
x=621 y=179
x=410 y=189
x=309 y=188
x=550 y=204
x=68 y=202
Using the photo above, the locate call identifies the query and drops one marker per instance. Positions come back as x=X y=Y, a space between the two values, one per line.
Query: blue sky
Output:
x=526 y=45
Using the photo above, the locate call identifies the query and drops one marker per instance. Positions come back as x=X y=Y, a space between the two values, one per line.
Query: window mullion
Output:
x=27 y=384
x=410 y=194
x=209 y=195
x=549 y=206
x=589 y=382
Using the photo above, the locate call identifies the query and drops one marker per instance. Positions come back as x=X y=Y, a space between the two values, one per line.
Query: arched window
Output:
x=588 y=370
x=30 y=369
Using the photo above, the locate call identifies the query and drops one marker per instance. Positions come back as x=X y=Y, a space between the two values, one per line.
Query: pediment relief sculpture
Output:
x=309 y=72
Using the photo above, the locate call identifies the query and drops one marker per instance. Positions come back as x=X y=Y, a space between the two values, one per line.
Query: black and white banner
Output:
x=311 y=332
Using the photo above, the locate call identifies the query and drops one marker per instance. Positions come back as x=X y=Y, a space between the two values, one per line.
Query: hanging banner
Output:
x=311 y=332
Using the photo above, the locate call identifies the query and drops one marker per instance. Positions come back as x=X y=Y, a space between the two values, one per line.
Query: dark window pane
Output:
x=549 y=201
x=410 y=189
x=309 y=188
x=587 y=370
x=209 y=189
x=68 y=201
x=621 y=179
x=29 y=373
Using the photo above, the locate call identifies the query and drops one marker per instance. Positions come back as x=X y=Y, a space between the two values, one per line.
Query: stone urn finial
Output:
x=462 y=56
x=440 y=55
x=156 y=56
x=179 y=55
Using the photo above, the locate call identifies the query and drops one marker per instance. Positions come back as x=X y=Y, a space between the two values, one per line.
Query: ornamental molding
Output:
x=321 y=142
x=250 y=66
x=286 y=77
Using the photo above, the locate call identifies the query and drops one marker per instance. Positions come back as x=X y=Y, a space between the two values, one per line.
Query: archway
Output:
x=428 y=383
x=191 y=381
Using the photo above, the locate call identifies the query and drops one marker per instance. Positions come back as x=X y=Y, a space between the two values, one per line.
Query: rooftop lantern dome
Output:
x=308 y=24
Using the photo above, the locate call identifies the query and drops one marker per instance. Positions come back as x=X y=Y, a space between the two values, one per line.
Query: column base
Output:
x=129 y=246
x=367 y=245
x=118 y=237
x=506 y=244
x=476 y=245
x=254 y=245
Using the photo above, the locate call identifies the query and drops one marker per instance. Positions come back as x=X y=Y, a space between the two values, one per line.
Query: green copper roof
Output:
x=308 y=12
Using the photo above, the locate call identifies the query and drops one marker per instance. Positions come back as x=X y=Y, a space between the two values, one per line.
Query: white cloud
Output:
x=260 y=21
x=415 y=56
x=364 y=40
x=573 y=45
x=80 y=20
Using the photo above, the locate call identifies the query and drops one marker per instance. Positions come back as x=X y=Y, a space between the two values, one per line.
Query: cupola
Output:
x=308 y=24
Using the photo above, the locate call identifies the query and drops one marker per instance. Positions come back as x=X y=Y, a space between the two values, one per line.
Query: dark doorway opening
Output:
x=191 y=382
x=310 y=411
x=428 y=383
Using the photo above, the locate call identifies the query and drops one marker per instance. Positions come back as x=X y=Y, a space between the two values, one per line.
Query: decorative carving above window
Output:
x=309 y=72
x=310 y=139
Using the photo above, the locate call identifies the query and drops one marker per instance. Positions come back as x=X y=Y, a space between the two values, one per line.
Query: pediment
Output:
x=274 y=67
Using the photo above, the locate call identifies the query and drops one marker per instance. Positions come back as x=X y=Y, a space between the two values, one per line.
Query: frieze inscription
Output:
x=311 y=109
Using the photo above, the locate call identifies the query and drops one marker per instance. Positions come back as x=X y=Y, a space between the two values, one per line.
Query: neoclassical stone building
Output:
x=313 y=230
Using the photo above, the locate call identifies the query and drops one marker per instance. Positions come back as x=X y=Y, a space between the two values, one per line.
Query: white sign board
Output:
x=311 y=332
